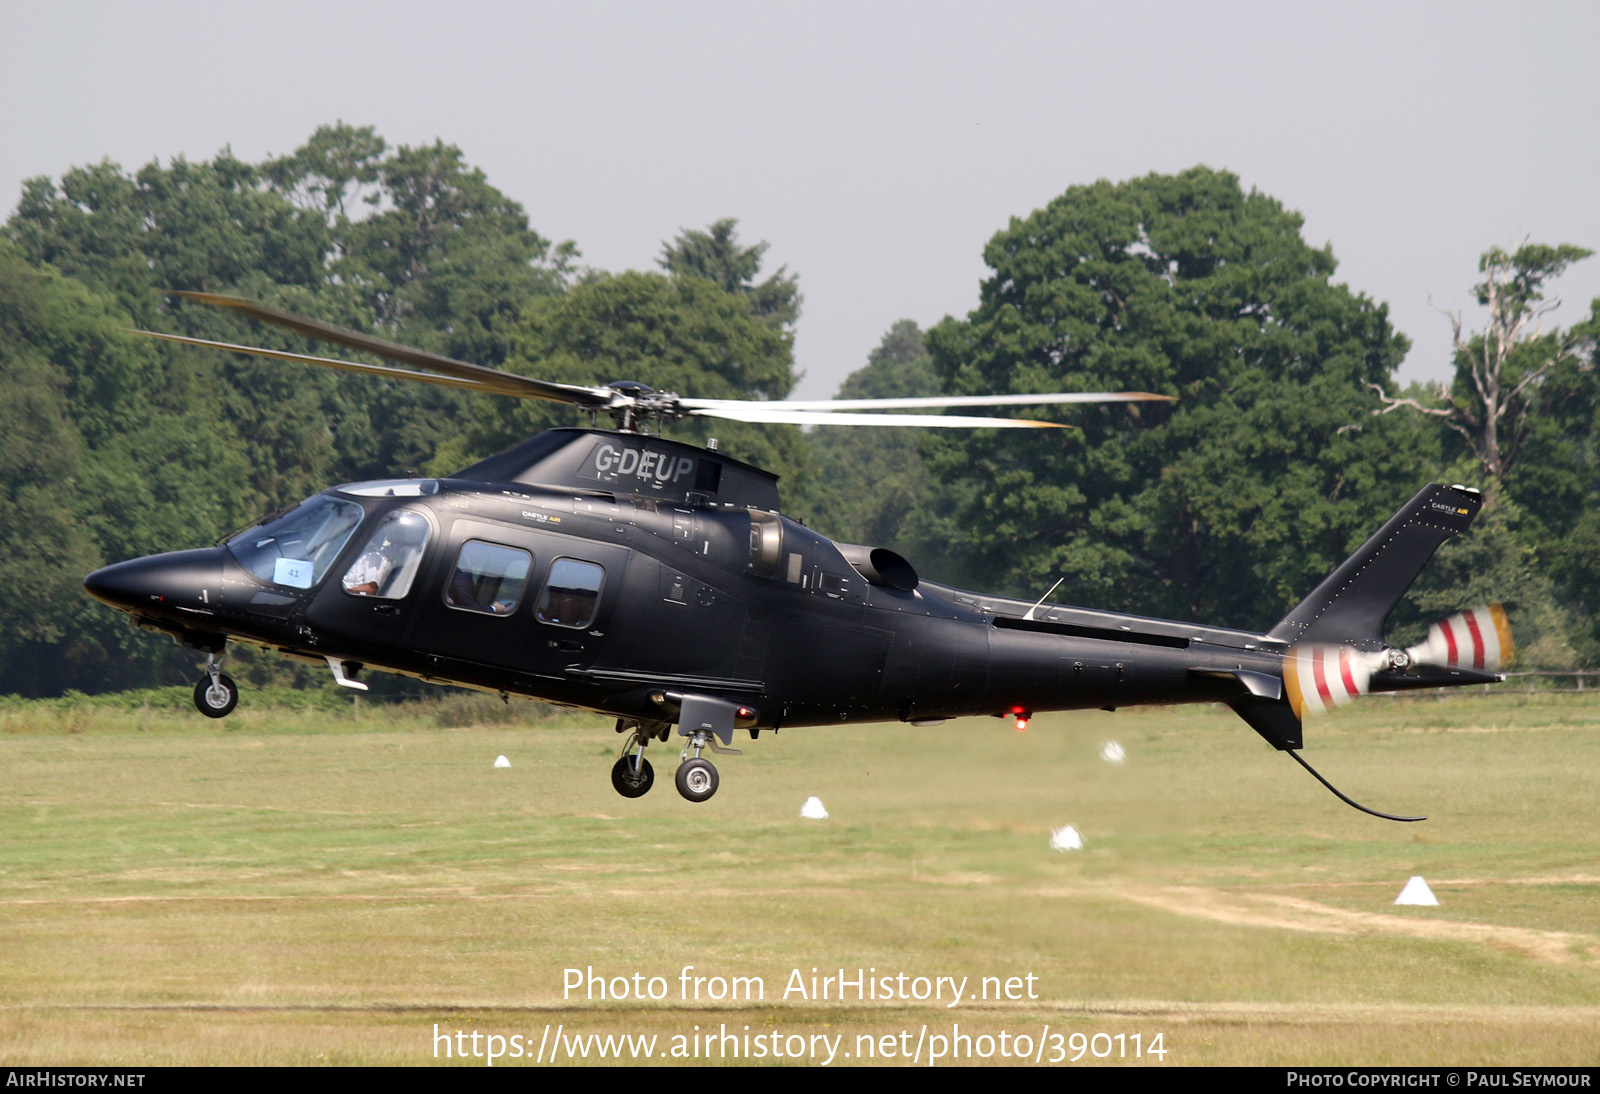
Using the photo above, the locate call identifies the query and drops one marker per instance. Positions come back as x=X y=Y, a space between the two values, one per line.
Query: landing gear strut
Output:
x=697 y=778
x=702 y=719
x=632 y=775
x=215 y=695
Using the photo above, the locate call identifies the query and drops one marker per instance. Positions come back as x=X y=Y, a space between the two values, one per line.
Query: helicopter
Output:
x=658 y=583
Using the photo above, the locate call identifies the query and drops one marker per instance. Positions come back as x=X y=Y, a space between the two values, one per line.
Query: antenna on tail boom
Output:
x=1342 y=796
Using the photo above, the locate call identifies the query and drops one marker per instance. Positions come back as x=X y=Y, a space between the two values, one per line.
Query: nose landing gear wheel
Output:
x=631 y=784
x=696 y=779
x=216 y=699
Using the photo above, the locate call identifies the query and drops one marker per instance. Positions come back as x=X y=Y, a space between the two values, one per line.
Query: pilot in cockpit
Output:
x=370 y=571
x=397 y=546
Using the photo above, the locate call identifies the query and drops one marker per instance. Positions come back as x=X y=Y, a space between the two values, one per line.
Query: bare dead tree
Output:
x=1499 y=370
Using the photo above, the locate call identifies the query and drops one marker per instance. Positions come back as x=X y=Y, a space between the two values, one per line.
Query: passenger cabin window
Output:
x=488 y=578
x=389 y=564
x=571 y=593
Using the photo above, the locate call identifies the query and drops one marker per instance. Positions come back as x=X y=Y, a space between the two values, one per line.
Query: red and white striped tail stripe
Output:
x=1476 y=639
x=1319 y=678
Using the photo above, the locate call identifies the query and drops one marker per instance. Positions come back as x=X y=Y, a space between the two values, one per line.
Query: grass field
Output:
x=294 y=887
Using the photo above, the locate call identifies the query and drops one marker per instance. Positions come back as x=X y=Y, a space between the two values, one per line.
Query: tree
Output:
x=1228 y=504
x=715 y=255
x=870 y=485
x=333 y=171
x=217 y=227
x=1559 y=484
x=681 y=334
x=206 y=226
x=447 y=263
x=98 y=462
x=115 y=446
x=441 y=235
x=1521 y=410
x=1499 y=371
x=413 y=241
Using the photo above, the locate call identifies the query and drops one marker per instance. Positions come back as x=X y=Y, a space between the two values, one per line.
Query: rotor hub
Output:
x=635 y=405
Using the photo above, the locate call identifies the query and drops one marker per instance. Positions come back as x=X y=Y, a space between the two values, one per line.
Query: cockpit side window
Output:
x=297 y=548
x=389 y=564
x=488 y=578
x=571 y=593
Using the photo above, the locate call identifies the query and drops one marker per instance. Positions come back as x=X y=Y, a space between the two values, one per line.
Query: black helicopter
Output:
x=657 y=582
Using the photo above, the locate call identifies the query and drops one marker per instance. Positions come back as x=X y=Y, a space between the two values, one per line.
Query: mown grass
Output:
x=292 y=885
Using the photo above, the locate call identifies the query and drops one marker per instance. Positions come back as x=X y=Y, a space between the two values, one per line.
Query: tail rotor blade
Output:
x=1476 y=639
x=1319 y=677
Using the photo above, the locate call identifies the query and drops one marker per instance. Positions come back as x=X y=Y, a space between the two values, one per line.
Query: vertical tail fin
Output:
x=1334 y=633
x=1351 y=604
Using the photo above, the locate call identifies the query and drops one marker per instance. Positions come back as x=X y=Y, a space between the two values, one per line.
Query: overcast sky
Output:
x=876 y=146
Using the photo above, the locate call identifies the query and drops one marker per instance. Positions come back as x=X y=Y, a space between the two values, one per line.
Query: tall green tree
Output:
x=870 y=485
x=205 y=226
x=681 y=334
x=444 y=261
x=1225 y=505
x=44 y=547
x=447 y=248
x=150 y=446
x=411 y=242
x=701 y=330
x=334 y=173
x=98 y=462
x=716 y=255
x=1557 y=484
x=215 y=227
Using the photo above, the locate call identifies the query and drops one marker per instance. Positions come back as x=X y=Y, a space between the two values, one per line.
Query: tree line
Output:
x=1289 y=440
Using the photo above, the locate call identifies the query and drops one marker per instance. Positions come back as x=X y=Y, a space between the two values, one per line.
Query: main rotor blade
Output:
x=758 y=412
x=938 y=401
x=329 y=362
x=502 y=382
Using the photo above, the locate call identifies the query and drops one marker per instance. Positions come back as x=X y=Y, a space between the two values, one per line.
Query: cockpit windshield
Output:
x=297 y=548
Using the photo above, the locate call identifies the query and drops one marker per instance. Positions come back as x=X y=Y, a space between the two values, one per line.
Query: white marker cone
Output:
x=502 y=762
x=1417 y=892
x=1112 y=753
x=813 y=810
x=1066 y=839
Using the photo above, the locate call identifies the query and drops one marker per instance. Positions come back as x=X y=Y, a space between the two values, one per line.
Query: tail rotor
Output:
x=1318 y=676
x=1477 y=639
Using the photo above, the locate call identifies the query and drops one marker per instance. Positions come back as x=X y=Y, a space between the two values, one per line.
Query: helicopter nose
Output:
x=179 y=579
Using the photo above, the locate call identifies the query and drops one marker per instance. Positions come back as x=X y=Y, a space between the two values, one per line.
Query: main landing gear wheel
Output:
x=696 y=779
x=215 y=697
x=631 y=783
